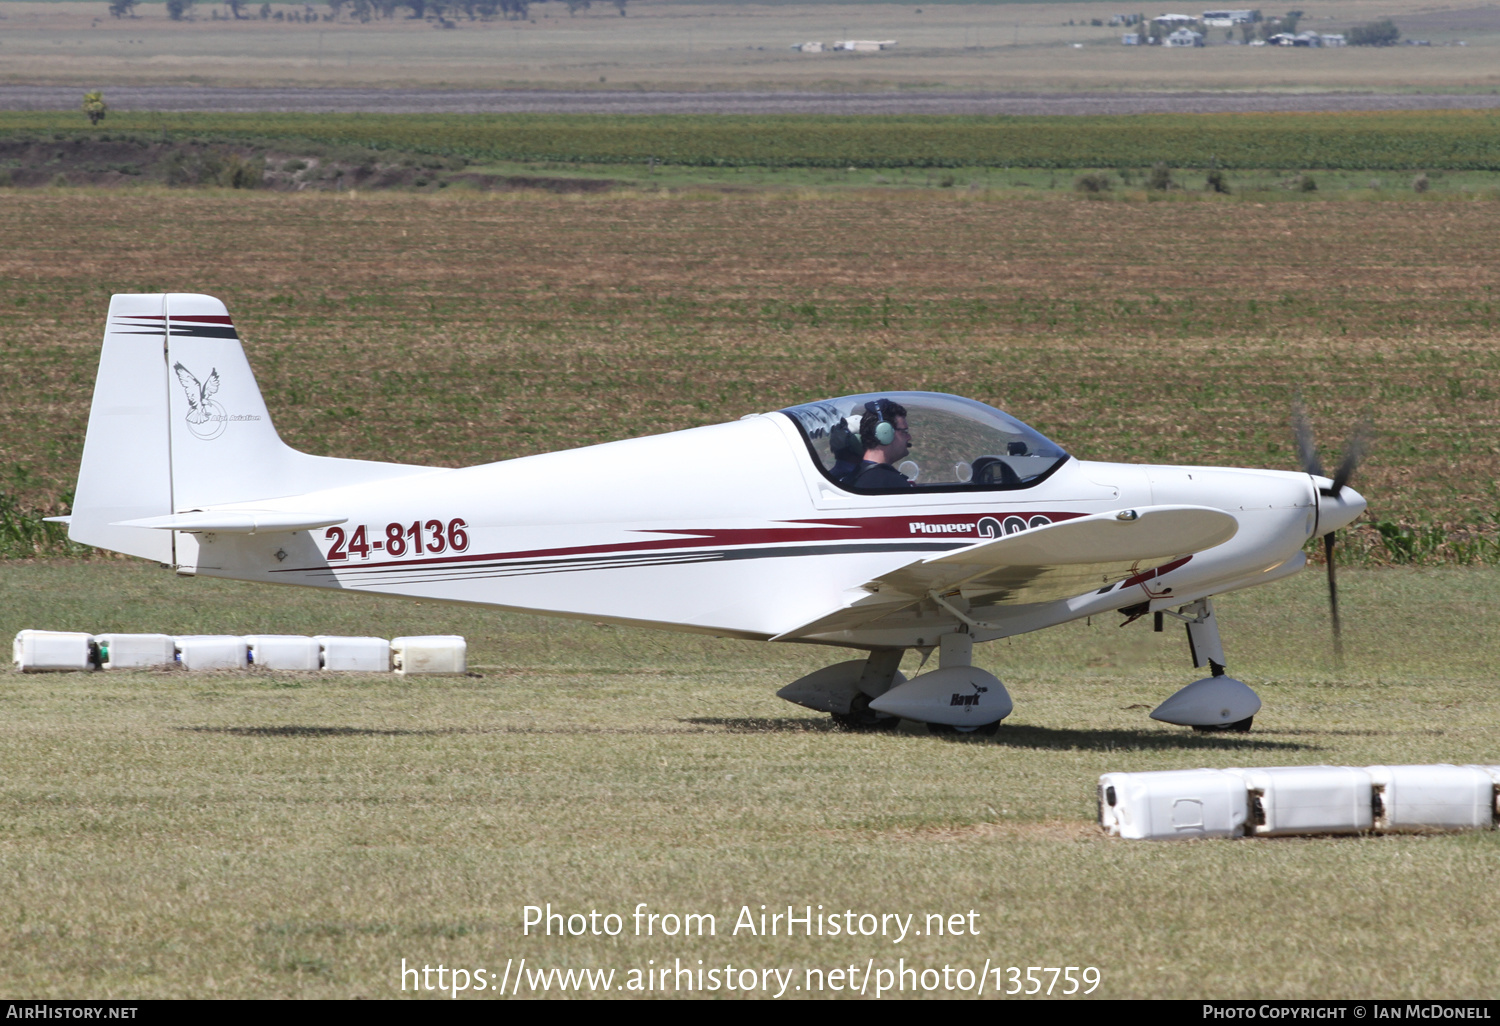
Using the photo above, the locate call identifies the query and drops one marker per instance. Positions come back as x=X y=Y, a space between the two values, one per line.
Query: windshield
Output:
x=956 y=443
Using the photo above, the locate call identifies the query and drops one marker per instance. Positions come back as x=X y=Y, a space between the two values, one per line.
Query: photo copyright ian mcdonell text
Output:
x=519 y=975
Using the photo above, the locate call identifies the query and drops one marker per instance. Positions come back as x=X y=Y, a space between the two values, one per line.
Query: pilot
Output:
x=883 y=432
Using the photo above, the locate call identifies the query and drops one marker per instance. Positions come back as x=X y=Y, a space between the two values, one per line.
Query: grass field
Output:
x=275 y=834
x=669 y=44
x=258 y=834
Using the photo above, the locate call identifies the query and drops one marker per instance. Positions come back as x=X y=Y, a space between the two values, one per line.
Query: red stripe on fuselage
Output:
x=855 y=529
x=202 y=318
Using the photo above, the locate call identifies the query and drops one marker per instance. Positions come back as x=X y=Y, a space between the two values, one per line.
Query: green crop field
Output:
x=1383 y=140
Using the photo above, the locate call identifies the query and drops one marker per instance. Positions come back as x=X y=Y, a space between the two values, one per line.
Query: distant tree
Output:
x=1094 y=182
x=1289 y=21
x=335 y=7
x=1247 y=31
x=621 y=5
x=95 y=107
x=418 y=7
x=179 y=9
x=574 y=6
x=123 y=8
x=1160 y=178
x=362 y=11
x=1376 y=33
x=265 y=12
x=235 y=9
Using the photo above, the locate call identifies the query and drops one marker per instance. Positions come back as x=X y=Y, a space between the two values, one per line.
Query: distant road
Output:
x=415 y=101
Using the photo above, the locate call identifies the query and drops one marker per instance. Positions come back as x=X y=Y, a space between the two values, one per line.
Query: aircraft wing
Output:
x=238 y=521
x=1038 y=565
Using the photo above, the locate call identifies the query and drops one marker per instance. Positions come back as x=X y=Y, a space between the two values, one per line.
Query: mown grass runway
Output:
x=277 y=834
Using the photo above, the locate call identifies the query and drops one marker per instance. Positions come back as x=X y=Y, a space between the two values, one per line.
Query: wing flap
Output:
x=1038 y=565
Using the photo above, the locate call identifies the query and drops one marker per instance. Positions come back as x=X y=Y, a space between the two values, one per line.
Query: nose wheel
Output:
x=1217 y=703
x=1237 y=727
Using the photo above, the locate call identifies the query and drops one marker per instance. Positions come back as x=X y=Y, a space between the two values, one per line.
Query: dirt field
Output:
x=672 y=45
x=522 y=101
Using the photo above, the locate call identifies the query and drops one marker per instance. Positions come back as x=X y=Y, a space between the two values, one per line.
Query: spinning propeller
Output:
x=1338 y=504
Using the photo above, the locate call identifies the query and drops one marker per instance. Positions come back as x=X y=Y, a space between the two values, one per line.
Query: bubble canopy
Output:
x=957 y=444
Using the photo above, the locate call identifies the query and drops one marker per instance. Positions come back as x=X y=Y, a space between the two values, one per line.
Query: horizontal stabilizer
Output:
x=1040 y=564
x=238 y=521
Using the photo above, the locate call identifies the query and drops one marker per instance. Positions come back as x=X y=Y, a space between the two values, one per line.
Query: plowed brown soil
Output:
x=465 y=329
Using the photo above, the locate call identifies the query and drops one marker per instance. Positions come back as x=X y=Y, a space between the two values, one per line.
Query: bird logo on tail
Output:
x=206 y=418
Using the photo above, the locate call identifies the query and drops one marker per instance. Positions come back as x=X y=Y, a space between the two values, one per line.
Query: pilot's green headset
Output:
x=885 y=431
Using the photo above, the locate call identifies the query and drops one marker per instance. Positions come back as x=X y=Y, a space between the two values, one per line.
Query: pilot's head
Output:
x=883 y=431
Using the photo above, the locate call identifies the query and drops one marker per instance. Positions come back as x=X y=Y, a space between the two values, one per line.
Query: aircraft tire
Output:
x=861 y=717
x=1237 y=727
x=948 y=730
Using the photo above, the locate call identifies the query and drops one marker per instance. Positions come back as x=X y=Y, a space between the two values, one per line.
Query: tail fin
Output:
x=178 y=424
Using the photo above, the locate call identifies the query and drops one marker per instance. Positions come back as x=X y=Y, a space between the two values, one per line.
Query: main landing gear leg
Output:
x=958 y=650
x=879 y=676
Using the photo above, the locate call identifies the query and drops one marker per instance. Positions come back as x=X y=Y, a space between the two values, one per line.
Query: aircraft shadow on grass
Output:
x=306 y=731
x=1039 y=737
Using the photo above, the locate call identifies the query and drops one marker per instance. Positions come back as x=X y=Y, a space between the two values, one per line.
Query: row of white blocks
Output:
x=1280 y=801
x=43 y=651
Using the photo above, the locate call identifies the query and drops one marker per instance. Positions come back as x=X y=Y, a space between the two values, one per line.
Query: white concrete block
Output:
x=355 y=655
x=212 y=652
x=285 y=651
x=435 y=653
x=1173 y=804
x=135 y=651
x=42 y=651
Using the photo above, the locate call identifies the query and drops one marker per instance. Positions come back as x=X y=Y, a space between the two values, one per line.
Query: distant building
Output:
x=1334 y=39
x=1131 y=39
x=1175 y=19
x=864 y=45
x=809 y=47
x=1183 y=37
x=1228 y=19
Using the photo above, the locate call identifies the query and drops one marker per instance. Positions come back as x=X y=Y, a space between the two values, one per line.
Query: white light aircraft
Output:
x=749 y=529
